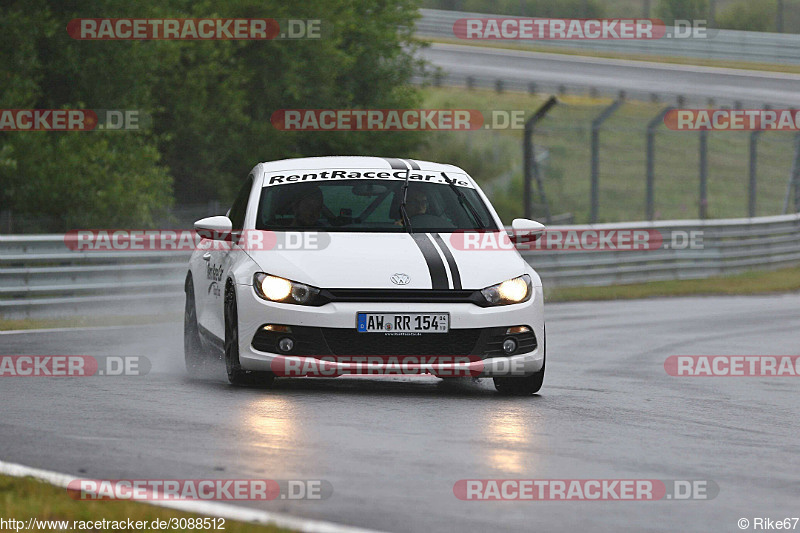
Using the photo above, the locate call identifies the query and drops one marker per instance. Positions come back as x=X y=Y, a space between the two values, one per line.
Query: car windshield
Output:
x=296 y=203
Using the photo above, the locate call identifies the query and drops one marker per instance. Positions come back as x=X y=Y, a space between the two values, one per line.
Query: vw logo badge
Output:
x=400 y=279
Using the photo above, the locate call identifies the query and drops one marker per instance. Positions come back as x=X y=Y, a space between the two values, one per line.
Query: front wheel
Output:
x=522 y=386
x=236 y=374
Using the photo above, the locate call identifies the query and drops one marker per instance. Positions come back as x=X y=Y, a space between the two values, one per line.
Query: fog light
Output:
x=509 y=346
x=285 y=344
x=276 y=328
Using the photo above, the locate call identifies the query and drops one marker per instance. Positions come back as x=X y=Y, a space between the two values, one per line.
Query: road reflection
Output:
x=514 y=436
x=269 y=431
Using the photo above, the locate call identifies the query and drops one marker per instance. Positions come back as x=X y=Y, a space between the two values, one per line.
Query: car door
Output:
x=215 y=265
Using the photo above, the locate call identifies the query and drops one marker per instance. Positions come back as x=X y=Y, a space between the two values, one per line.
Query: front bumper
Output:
x=329 y=332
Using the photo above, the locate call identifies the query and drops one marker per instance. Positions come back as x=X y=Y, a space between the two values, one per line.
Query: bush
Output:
x=749 y=15
x=669 y=10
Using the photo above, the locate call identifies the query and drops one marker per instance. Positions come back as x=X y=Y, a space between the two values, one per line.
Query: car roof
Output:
x=355 y=162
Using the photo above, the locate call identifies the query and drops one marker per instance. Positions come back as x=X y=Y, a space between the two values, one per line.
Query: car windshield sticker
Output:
x=317 y=176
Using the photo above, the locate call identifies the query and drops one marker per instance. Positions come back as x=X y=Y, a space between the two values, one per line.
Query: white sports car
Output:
x=369 y=263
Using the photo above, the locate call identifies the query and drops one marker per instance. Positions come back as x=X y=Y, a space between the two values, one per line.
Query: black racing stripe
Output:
x=414 y=165
x=451 y=261
x=396 y=164
x=434 y=261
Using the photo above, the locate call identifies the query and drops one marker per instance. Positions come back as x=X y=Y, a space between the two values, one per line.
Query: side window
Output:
x=239 y=208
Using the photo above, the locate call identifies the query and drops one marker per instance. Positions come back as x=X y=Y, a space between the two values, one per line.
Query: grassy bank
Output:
x=26 y=498
x=749 y=283
x=80 y=321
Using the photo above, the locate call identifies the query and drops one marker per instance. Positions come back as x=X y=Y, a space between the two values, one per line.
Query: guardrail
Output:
x=41 y=277
x=730 y=45
x=726 y=247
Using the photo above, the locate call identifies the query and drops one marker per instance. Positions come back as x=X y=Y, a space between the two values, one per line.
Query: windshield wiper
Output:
x=463 y=201
x=403 y=212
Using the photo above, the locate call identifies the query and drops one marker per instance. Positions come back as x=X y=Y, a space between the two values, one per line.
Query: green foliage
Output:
x=85 y=179
x=749 y=15
x=211 y=102
x=669 y=10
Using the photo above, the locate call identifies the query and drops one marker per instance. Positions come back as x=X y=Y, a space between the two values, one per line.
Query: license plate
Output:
x=403 y=322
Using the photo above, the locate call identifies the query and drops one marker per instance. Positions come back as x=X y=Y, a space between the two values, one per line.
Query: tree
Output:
x=211 y=102
x=670 y=10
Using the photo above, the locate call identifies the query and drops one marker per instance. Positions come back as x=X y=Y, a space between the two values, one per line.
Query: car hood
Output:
x=370 y=260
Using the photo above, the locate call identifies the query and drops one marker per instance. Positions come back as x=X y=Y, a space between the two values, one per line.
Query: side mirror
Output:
x=215 y=228
x=524 y=230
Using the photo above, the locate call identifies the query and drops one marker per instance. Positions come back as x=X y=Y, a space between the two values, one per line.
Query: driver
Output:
x=307 y=209
x=416 y=204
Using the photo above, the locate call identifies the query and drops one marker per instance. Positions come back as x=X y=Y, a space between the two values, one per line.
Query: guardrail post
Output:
x=703 y=174
x=652 y=126
x=595 y=177
x=529 y=163
x=794 y=179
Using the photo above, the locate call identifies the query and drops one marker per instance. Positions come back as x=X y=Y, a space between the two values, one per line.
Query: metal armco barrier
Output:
x=730 y=45
x=41 y=277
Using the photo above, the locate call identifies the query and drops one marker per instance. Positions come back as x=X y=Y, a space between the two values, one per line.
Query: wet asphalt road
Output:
x=394 y=449
x=752 y=88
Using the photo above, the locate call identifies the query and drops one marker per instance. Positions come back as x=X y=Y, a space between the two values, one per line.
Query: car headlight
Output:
x=511 y=291
x=276 y=289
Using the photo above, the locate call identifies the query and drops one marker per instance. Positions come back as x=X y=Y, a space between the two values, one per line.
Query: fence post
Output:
x=703 y=174
x=529 y=163
x=649 y=201
x=595 y=177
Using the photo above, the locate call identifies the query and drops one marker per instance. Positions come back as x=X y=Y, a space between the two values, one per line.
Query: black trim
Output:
x=396 y=164
x=434 y=261
x=451 y=261
x=403 y=296
x=413 y=164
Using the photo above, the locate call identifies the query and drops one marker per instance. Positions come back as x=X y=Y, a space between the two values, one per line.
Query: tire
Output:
x=194 y=354
x=524 y=386
x=237 y=376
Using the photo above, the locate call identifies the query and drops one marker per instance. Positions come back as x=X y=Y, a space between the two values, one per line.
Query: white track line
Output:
x=67 y=329
x=222 y=510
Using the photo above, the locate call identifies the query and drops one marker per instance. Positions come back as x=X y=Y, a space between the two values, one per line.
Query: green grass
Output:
x=80 y=321
x=565 y=135
x=25 y=498
x=748 y=283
